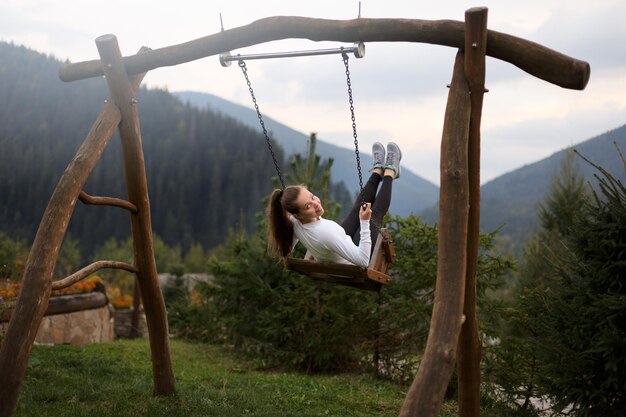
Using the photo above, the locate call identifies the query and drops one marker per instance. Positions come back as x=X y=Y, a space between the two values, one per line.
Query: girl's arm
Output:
x=344 y=247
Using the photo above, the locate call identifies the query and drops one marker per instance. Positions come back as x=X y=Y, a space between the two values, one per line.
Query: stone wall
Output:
x=82 y=318
x=75 y=328
x=123 y=323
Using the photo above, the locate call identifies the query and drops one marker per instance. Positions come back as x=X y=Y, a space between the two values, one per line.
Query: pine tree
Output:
x=568 y=323
x=513 y=361
x=583 y=326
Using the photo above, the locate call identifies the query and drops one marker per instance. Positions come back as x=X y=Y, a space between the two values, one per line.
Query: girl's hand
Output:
x=366 y=211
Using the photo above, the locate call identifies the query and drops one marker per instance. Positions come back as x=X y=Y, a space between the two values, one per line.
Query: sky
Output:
x=399 y=89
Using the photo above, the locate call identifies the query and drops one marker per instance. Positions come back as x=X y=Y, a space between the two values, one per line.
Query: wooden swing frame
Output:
x=453 y=337
x=372 y=278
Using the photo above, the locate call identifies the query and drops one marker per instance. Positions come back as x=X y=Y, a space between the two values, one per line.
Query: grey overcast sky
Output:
x=399 y=88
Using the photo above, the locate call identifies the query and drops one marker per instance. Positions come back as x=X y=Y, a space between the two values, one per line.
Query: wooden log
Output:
x=62 y=304
x=428 y=388
x=535 y=59
x=122 y=94
x=469 y=351
x=37 y=279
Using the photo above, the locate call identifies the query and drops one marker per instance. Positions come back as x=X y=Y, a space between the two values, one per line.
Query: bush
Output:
x=287 y=319
x=567 y=327
x=583 y=331
x=282 y=317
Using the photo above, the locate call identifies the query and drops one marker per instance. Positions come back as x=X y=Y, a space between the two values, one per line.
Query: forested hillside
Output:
x=411 y=194
x=510 y=202
x=206 y=172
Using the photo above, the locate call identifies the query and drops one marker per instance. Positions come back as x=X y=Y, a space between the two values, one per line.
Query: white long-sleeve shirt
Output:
x=327 y=241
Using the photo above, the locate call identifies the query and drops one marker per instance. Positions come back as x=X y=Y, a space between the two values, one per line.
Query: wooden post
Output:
x=141 y=227
x=37 y=279
x=134 y=318
x=469 y=353
x=428 y=388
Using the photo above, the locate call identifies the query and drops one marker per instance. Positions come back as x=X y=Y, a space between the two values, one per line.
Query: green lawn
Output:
x=115 y=379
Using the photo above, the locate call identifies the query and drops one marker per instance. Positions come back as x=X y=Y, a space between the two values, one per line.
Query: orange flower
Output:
x=80 y=287
x=10 y=289
x=123 y=301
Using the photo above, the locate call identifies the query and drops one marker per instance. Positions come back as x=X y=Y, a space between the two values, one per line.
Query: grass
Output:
x=115 y=379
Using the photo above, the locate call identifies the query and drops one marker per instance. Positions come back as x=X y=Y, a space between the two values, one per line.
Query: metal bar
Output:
x=358 y=50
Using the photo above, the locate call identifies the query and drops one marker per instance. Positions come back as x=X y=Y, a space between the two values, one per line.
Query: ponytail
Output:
x=280 y=227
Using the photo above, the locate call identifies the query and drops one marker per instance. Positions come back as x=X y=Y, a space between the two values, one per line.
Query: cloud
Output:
x=399 y=88
x=594 y=34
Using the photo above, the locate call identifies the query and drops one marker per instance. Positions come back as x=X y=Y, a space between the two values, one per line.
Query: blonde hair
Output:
x=280 y=227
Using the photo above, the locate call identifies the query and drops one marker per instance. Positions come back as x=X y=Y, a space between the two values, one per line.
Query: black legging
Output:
x=380 y=205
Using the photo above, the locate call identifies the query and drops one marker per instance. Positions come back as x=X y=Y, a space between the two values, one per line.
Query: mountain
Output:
x=510 y=201
x=205 y=173
x=411 y=193
x=190 y=149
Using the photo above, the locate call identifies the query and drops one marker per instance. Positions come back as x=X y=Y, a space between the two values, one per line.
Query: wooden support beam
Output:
x=122 y=94
x=90 y=269
x=37 y=279
x=535 y=59
x=36 y=282
x=107 y=201
x=469 y=350
x=428 y=388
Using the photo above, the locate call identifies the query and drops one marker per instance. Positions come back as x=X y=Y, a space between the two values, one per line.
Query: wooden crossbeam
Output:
x=107 y=201
x=90 y=269
x=537 y=60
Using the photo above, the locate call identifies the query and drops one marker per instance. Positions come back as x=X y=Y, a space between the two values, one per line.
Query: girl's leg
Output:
x=380 y=207
x=352 y=223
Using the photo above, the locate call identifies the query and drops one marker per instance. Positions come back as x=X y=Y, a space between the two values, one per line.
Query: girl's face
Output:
x=309 y=206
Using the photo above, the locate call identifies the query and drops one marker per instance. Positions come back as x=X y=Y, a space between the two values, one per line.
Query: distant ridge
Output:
x=411 y=192
x=196 y=194
x=510 y=201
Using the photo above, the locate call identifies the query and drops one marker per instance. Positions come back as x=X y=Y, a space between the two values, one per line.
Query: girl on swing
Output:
x=295 y=215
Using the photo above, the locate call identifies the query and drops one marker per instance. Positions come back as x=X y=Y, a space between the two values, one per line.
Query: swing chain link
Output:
x=244 y=69
x=356 y=141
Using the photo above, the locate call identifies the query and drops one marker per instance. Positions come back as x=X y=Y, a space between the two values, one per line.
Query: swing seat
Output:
x=372 y=278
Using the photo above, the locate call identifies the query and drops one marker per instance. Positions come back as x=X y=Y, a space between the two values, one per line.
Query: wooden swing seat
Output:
x=372 y=278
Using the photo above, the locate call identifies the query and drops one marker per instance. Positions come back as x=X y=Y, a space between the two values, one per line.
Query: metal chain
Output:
x=356 y=141
x=244 y=69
